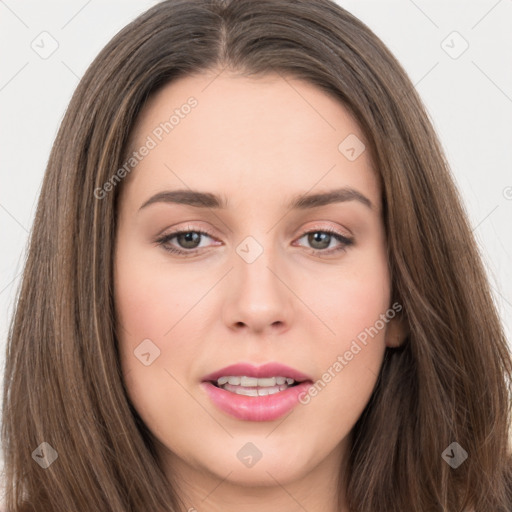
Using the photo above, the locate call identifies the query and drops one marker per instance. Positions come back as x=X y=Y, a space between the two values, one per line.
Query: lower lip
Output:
x=256 y=408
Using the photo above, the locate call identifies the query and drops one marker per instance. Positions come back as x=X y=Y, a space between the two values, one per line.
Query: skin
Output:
x=258 y=142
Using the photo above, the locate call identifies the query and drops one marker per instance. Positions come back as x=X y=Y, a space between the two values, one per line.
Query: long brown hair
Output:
x=450 y=380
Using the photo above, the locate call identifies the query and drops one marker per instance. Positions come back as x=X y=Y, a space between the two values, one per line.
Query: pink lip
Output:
x=257 y=408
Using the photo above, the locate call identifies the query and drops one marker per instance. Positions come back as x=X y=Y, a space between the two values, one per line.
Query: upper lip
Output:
x=271 y=369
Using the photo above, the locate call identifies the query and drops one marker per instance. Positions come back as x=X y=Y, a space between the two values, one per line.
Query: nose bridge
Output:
x=256 y=255
x=258 y=298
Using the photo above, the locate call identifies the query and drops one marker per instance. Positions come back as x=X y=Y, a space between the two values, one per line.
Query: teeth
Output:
x=238 y=390
x=269 y=391
x=270 y=383
x=248 y=381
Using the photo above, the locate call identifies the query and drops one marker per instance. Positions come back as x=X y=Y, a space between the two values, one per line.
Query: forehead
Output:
x=223 y=131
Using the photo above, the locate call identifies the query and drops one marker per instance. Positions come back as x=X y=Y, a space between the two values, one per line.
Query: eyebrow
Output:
x=300 y=202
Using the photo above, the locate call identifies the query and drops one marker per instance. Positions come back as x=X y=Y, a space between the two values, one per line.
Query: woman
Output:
x=333 y=347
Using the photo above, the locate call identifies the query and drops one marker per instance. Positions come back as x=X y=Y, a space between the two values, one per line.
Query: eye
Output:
x=320 y=239
x=188 y=239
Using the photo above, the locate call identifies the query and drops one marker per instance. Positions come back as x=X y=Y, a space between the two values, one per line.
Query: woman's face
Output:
x=287 y=274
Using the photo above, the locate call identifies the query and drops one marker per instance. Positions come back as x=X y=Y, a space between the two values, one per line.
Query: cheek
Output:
x=148 y=305
x=355 y=306
x=351 y=299
x=143 y=298
x=150 y=301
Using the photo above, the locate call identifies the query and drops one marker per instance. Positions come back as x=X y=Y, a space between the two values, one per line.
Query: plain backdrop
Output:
x=457 y=53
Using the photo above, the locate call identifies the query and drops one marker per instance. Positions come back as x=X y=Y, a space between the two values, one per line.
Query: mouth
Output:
x=252 y=393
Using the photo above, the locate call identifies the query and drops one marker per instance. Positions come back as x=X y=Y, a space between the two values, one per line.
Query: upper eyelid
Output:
x=203 y=231
x=188 y=229
x=322 y=229
x=315 y=227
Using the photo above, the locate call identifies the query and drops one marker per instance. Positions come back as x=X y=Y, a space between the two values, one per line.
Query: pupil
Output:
x=317 y=237
x=190 y=239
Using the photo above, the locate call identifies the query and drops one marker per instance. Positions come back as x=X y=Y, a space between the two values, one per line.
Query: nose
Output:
x=259 y=300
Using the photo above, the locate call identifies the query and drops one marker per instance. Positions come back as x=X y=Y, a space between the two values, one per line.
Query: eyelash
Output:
x=344 y=241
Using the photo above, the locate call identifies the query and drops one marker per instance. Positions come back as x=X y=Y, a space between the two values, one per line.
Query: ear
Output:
x=397 y=331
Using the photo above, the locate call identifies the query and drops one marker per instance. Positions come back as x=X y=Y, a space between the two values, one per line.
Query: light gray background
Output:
x=469 y=99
